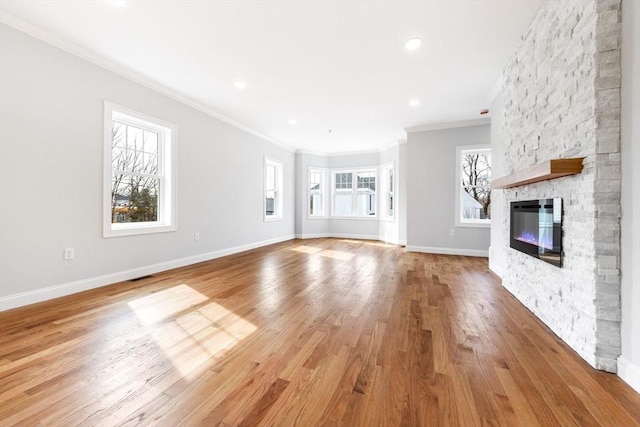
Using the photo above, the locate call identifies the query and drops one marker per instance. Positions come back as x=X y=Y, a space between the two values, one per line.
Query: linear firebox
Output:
x=536 y=229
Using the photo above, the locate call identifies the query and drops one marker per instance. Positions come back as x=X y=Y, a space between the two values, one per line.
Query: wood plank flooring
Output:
x=307 y=332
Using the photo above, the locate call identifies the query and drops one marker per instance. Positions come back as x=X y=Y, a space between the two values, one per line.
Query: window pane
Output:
x=150 y=142
x=476 y=168
x=270 y=205
x=118 y=158
x=367 y=181
x=150 y=164
x=134 y=198
x=475 y=202
x=344 y=180
x=315 y=204
x=271 y=177
x=315 y=181
x=366 y=204
x=134 y=138
x=343 y=204
x=118 y=135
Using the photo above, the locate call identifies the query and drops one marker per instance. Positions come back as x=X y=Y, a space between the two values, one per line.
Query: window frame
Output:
x=354 y=192
x=278 y=190
x=388 y=189
x=322 y=191
x=167 y=141
x=459 y=220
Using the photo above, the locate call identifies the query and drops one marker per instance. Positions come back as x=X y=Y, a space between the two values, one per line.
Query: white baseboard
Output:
x=629 y=373
x=402 y=242
x=355 y=236
x=496 y=268
x=39 y=295
x=313 y=236
x=449 y=251
x=339 y=236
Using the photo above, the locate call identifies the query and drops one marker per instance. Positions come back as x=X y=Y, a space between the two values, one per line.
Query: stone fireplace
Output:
x=561 y=99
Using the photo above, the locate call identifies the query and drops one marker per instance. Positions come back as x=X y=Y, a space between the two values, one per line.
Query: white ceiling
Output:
x=338 y=65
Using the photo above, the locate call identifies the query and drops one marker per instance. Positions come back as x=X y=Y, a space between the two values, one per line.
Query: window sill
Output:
x=473 y=224
x=318 y=217
x=357 y=218
x=132 y=230
x=273 y=218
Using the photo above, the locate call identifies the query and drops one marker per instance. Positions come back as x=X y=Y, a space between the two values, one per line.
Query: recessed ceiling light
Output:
x=414 y=103
x=413 y=44
x=292 y=121
x=239 y=84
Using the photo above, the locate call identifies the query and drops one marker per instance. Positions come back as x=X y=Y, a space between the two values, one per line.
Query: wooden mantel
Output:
x=550 y=169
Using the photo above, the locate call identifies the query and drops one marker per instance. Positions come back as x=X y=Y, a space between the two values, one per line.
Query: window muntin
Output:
x=351 y=200
x=272 y=189
x=139 y=179
x=473 y=189
x=316 y=184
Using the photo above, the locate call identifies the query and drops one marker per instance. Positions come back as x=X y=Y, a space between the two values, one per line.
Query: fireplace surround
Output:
x=536 y=229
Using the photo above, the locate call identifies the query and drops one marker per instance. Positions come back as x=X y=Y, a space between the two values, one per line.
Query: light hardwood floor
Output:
x=306 y=332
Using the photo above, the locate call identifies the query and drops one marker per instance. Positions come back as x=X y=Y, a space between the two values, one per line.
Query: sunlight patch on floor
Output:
x=164 y=304
x=196 y=338
x=339 y=255
x=306 y=249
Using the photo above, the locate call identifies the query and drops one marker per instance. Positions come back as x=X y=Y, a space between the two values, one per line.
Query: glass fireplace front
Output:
x=536 y=229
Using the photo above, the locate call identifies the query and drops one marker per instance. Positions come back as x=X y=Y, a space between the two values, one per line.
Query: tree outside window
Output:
x=474 y=185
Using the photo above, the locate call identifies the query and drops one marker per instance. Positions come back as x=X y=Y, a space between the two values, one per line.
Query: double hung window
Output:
x=354 y=193
x=473 y=189
x=316 y=192
x=272 y=189
x=139 y=176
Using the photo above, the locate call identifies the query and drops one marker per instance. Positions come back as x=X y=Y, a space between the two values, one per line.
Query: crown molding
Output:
x=449 y=125
x=352 y=153
x=87 y=55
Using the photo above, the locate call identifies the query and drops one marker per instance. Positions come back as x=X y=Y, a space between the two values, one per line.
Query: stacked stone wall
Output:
x=562 y=100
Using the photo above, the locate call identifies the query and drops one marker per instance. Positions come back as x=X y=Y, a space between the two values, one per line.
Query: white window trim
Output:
x=323 y=192
x=333 y=173
x=384 y=208
x=167 y=213
x=479 y=223
x=278 y=216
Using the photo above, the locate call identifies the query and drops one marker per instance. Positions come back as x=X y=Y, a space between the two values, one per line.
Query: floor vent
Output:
x=140 y=278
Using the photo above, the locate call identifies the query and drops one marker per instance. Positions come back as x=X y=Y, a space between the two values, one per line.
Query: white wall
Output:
x=498 y=245
x=431 y=192
x=401 y=215
x=629 y=361
x=51 y=110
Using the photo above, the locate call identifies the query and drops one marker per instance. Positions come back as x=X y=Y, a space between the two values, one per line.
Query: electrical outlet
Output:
x=69 y=254
x=196 y=236
x=452 y=232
